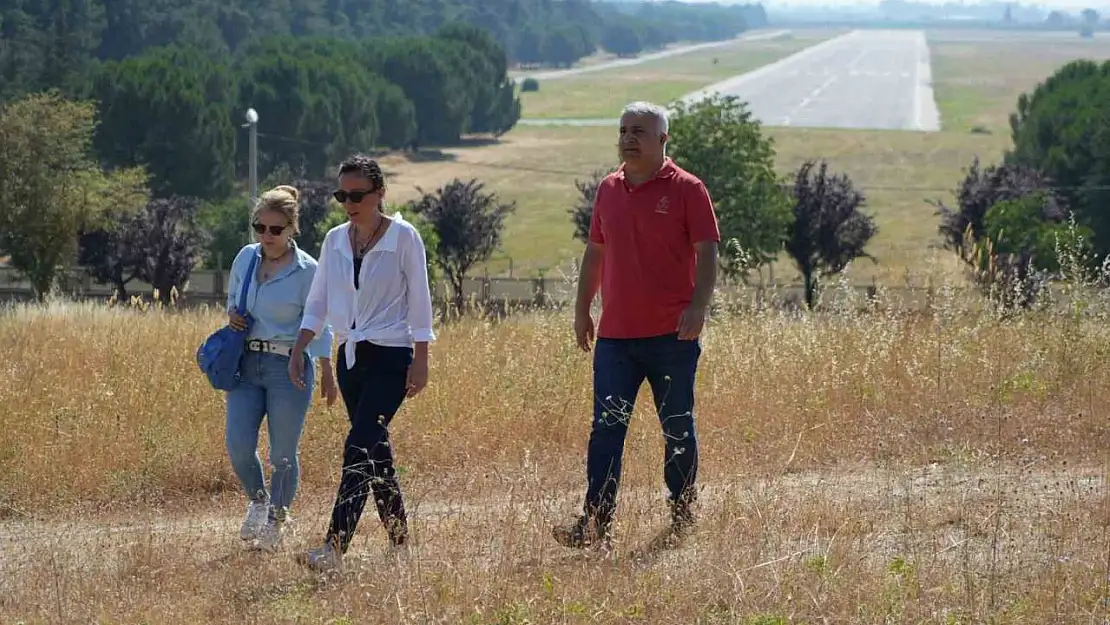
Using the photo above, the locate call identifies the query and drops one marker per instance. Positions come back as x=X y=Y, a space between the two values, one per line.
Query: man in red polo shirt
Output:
x=652 y=250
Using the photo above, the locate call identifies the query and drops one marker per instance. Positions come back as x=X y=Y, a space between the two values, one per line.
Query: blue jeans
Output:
x=620 y=367
x=266 y=390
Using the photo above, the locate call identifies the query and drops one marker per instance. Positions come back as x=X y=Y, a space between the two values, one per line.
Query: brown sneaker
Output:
x=582 y=534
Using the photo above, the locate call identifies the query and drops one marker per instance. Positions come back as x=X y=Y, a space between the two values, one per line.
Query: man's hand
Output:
x=584 y=330
x=691 y=322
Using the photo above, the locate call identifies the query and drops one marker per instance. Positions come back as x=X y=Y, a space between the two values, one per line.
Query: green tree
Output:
x=226 y=222
x=719 y=141
x=1032 y=227
x=169 y=111
x=1060 y=130
x=53 y=188
x=424 y=70
x=496 y=106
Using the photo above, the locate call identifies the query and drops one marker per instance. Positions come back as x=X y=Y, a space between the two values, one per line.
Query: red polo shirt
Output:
x=648 y=233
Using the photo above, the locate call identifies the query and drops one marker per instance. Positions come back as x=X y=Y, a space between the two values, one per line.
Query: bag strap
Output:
x=246 y=284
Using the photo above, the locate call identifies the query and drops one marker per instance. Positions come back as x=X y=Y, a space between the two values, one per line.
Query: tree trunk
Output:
x=460 y=299
x=811 y=286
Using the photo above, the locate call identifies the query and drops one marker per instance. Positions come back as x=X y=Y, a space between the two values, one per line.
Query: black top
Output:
x=358 y=268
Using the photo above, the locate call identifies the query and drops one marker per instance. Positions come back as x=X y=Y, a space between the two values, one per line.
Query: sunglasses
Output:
x=355 y=196
x=274 y=230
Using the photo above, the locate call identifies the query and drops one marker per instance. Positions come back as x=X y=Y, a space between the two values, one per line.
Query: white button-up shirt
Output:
x=393 y=304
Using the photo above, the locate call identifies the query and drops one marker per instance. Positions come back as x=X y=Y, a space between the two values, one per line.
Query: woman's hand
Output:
x=418 y=375
x=296 y=369
x=236 y=321
x=328 y=389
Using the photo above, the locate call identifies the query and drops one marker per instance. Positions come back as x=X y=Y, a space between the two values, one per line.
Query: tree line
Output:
x=58 y=44
x=176 y=108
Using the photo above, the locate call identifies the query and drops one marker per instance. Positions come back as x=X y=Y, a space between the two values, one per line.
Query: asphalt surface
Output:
x=555 y=74
x=867 y=79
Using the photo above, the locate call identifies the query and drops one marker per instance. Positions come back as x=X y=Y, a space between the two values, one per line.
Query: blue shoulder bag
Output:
x=218 y=357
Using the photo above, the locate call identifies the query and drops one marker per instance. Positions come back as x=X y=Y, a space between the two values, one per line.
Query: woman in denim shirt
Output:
x=275 y=303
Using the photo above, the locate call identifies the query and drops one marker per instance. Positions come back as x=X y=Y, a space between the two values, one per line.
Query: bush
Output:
x=529 y=84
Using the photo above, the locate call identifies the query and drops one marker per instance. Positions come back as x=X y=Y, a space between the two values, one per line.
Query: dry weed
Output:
x=858 y=467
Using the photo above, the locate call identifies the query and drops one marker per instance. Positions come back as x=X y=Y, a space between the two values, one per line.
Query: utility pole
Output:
x=252 y=123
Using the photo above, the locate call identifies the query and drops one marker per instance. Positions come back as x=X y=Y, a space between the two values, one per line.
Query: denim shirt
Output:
x=277 y=305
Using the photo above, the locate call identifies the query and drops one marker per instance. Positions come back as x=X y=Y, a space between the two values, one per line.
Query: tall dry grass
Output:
x=876 y=466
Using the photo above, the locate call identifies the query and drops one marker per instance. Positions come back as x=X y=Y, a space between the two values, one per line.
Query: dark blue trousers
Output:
x=373 y=391
x=620 y=367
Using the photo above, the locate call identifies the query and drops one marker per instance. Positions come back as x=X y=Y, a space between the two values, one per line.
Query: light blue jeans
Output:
x=266 y=390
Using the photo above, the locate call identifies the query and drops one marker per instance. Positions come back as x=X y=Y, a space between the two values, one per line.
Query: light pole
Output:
x=252 y=123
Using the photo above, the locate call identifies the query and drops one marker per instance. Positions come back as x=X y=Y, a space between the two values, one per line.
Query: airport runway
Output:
x=556 y=74
x=862 y=80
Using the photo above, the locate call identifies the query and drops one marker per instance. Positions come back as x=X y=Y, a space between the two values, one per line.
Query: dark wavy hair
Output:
x=366 y=167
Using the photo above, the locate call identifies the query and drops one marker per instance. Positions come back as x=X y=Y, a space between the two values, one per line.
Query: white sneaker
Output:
x=324 y=559
x=271 y=535
x=257 y=514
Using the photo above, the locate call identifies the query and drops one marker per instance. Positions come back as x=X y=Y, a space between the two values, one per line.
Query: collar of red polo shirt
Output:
x=668 y=170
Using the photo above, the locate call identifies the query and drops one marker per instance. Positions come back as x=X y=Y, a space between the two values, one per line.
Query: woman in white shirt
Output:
x=371 y=287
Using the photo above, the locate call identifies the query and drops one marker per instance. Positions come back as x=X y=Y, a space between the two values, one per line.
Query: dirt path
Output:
x=1030 y=486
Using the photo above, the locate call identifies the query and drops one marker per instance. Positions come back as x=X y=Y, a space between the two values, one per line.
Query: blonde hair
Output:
x=282 y=199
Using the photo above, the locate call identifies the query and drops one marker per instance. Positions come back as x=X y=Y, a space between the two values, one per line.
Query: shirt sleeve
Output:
x=316 y=304
x=234 y=281
x=415 y=267
x=701 y=219
x=320 y=347
x=596 y=234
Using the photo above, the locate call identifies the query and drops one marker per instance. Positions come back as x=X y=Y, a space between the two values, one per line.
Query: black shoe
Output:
x=582 y=534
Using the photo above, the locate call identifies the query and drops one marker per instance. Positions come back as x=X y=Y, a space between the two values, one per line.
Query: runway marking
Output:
x=805 y=101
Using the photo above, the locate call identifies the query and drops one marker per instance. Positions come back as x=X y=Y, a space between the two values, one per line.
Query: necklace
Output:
x=267 y=270
x=361 y=251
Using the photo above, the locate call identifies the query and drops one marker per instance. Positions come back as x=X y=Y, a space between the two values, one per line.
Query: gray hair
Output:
x=651 y=110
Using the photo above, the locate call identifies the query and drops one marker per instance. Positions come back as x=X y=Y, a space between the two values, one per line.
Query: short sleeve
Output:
x=701 y=219
x=596 y=234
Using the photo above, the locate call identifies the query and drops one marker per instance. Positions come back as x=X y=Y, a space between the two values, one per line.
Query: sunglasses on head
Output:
x=274 y=230
x=342 y=196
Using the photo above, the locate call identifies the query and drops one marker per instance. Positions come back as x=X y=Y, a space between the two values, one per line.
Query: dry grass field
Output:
x=885 y=467
x=977 y=84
